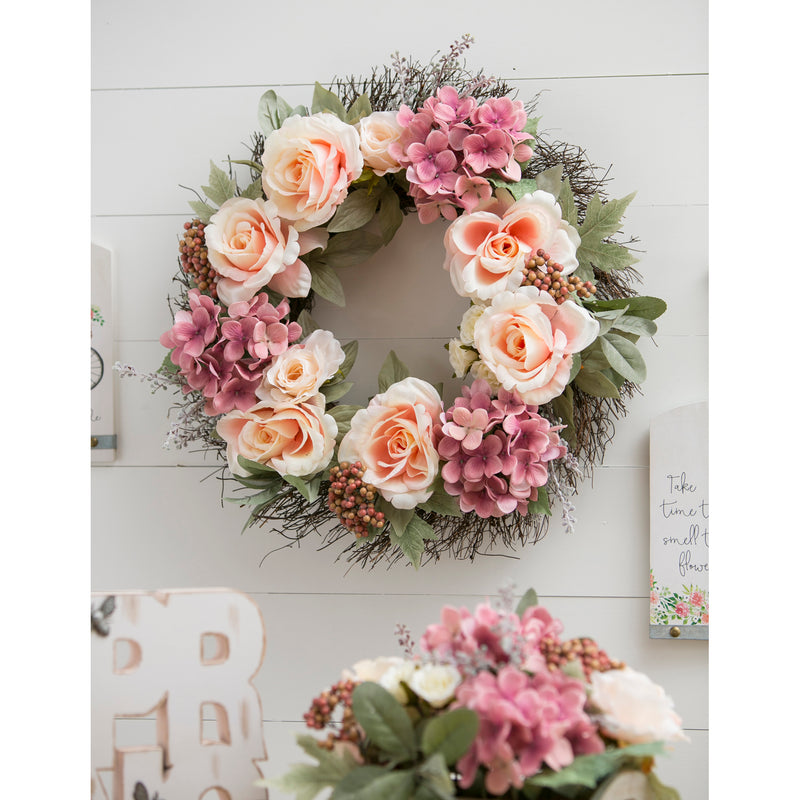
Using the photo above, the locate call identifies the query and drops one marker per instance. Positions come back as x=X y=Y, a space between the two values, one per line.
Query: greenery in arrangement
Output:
x=547 y=348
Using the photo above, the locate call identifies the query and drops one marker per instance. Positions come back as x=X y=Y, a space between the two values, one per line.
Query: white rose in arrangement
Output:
x=308 y=165
x=390 y=680
x=297 y=374
x=629 y=706
x=460 y=357
x=479 y=370
x=377 y=132
x=436 y=683
x=370 y=669
x=467 y=327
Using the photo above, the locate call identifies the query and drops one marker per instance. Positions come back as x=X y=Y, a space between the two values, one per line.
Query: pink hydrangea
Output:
x=525 y=721
x=496 y=451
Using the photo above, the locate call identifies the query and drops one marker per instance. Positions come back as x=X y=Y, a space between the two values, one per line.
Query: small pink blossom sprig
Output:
x=223 y=356
x=449 y=146
x=496 y=450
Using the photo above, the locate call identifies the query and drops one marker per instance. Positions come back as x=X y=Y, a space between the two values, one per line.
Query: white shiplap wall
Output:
x=175 y=84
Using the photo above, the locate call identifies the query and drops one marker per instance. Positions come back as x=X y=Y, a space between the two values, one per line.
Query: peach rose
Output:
x=292 y=439
x=308 y=165
x=250 y=247
x=296 y=375
x=527 y=340
x=487 y=253
x=377 y=132
x=393 y=438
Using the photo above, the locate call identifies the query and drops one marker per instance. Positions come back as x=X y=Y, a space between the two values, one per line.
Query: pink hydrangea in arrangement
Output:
x=451 y=144
x=493 y=703
x=496 y=450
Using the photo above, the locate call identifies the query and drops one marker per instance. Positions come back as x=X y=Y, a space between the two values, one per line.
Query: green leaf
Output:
x=646 y=307
x=361 y=108
x=596 y=384
x=411 y=539
x=306 y=781
x=375 y=783
x=566 y=199
x=247 y=162
x=351 y=247
x=523 y=187
x=342 y=414
x=350 y=355
x=335 y=391
x=442 y=503
x=593 y=358
x=255 y=468
x=576 y=365
x=603 y=219
x=390 y=215
x=325 y=100
x=605 y=256
x=392 y=371
x=253 y=191
x=384 y=721
x=531 y=125
x=624 y=357
x=306 y=322
x=435 y=776
x=221 y=186
x=659 y=790
x=301 y=485
x=203 y=210
x=541 y=505
x=529 y=600
x=399 y=517
x=326 y=283
x=272 y=112
x=356 y=211
x=167 y=366
x=450 y=734
x=563 y=408
x=263 y=498
x=550 y=179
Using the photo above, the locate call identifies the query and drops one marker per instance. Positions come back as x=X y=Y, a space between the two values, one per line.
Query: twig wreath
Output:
x=548 y=342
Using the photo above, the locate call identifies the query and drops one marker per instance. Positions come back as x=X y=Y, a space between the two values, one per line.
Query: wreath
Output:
x=547 y=347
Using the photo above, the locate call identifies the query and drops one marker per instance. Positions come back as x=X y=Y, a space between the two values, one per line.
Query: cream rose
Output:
x=308 y=165
x=250 y=247
x=527 y=340
x=377 y=131
x=487 y=253
x=370 y=669
x=460 y=357
x=397 y=674
x=467 y=327
x=629 y=706
x=393 y=438
x=292 y=439
x=435 y=683
x=296 y=375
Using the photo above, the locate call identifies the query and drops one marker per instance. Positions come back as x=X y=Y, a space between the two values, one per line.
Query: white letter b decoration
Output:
x=173 y=703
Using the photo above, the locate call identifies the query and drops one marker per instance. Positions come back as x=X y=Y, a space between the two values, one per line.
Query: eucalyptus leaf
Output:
x=435 y=775
x=389 y=216
x=350 y=355
x=325 y=100
x=576 y=365
x=624 y=357
x=384 y=721
x=646 y=307
x=594 y=360
x=640 y=326
x=326 y=283
x=342 y=413
x=356 y=211
x=255 y=468
x=301 y=485
x=360 y=108
x=351 y=247
x=450 y=734
x=595 y=384
x=335 y=391
x=529 y=600
x=272 y=112
x=392 y=371
x=371 y=782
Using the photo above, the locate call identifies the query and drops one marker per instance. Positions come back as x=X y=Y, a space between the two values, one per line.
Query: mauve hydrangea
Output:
x=525 y=721
x=224 y=356
x=450 y=142
x=496 y=450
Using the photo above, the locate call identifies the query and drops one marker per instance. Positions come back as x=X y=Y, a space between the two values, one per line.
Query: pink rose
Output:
x=377 y=132
x=296 y=375
x=251 y=248
x=681 y=610
x=486 y=252
x=527 y=340
x=292 y=439
x=393 y=439
x=697 y=598
x=308 y=165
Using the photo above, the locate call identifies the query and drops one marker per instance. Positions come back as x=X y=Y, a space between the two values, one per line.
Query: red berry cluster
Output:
x=592 y=658
x=321 y=711
x=353 y=500
x=194 y=257
x=545 y=274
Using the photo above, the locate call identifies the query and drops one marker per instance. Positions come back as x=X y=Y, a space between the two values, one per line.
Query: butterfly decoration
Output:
x=100 y=617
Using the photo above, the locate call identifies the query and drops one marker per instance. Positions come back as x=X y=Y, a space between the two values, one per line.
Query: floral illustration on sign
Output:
x=689 y=606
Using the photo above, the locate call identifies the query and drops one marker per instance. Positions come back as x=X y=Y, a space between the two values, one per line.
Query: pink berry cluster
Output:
x=194 y=257
x=322 y=709
x=545 y=273
x=449 y=145
x=353 y=500
x=224 y=356
x=584 y=650
x=496 y=450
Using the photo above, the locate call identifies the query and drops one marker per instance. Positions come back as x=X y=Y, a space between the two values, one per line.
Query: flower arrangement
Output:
x=547 y=347
x=493 y=703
